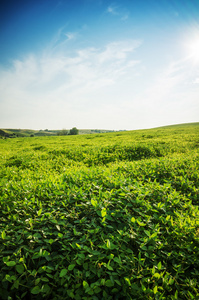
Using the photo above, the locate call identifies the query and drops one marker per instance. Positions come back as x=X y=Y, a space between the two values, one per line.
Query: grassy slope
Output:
x=105 y=216
x=195 y=124
x=28 y=132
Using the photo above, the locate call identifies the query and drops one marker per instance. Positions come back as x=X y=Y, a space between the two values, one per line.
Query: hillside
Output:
x=29 y=132
x=183 y=125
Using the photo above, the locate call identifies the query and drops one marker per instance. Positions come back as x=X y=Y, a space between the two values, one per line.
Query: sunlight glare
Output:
x=192 y=47
x=194 y=50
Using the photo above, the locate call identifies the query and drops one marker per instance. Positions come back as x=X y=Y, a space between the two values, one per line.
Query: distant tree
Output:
x=63 y=132
x=74 y=131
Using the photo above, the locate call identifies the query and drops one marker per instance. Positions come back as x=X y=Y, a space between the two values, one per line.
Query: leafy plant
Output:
x=112 y=217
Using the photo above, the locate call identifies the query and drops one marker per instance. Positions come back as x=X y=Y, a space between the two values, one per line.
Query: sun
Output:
x=192 y=47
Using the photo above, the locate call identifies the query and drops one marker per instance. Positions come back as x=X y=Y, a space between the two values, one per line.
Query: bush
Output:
x=74 y=131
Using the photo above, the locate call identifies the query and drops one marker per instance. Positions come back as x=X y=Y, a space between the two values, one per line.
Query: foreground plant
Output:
x=76 y=229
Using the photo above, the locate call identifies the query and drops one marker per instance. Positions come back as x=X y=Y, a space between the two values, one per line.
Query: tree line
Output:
x=73 y=131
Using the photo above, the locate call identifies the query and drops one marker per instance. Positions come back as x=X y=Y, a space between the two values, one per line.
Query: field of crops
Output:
x=101 y=216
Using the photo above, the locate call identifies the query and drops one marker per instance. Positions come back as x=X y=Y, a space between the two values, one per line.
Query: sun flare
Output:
x=192 y=48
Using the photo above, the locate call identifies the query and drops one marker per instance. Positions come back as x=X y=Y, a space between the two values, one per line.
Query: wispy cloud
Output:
x=71 y=35
x=60 y=39
x=66 y=82
x=118 y=11
x=97 y=85
x=112 y=10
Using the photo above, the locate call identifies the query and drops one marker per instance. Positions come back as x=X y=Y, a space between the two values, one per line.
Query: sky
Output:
x=98 y=64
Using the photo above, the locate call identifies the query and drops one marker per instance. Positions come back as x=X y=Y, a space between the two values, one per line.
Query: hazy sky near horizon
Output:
x=98 y=64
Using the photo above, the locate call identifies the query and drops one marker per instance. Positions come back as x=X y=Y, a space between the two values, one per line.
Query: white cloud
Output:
x=104 y=87
x=118 y=51
x=57 y=83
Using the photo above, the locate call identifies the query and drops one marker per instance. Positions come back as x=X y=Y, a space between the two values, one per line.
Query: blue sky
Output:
x=98 y=63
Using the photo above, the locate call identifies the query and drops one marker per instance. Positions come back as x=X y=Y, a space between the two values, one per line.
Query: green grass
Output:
x=101 y=216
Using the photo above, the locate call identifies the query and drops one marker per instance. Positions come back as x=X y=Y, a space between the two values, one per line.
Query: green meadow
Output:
x=100 y=216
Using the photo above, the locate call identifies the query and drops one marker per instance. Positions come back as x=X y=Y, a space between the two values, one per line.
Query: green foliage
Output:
x=105 y=216
x=74 y=131
x=63 y=132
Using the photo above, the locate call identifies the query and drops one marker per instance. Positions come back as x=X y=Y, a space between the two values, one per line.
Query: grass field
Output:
x=101 y=216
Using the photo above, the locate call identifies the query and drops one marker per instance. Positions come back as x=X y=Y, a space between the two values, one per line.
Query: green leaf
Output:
x=45 y=279
x=155 y=289
x=127 y=280
x=24 y=294
x=97 y=289
x=37 y=235
x=39 y=212
x=118 y=282
x=71 y=267
x=16 y=284
x=117 y=260
x=11 y=263
x=111 y=256
x=140 y=223
x=108 y=244
x=63 y=272
x=50 y=241
x=20 y=269
x=159 y=265
x=109 y=283
x=85 y=284
x=103 y=212
x=36 y=290
x=94 y=202
x=37 y=281
x=45 y=288
x=143 y=288
x=109 y=267
x=171 y=281
x=8 y=278
x=147 y=233
x=176 y=295
x=3 y=235
x=133 y=220
x=156 y=275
